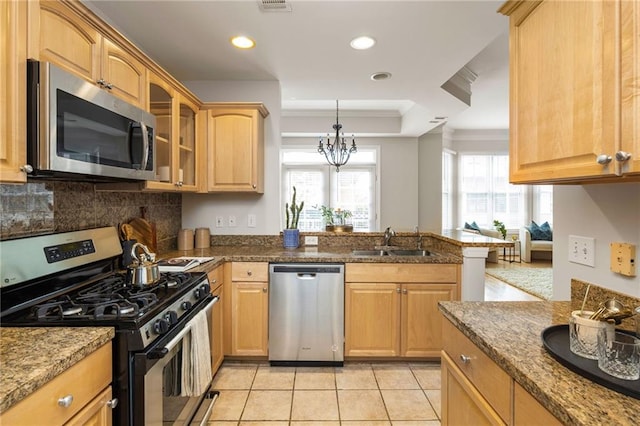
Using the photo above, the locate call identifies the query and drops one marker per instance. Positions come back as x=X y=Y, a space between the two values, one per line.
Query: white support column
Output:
x=473 y=265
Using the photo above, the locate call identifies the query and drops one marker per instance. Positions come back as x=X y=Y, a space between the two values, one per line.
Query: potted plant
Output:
x=335 y=220
x=291 y=233
x=500 y=227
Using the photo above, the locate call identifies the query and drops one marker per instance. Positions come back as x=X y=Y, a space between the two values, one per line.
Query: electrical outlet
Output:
x=311 y=240
x=219 y=221
x=232 y=221
x=251 y=221
x=582 y=250
x=623 y=259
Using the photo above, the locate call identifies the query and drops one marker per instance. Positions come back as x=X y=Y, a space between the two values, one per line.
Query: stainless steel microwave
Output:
x=76 y=130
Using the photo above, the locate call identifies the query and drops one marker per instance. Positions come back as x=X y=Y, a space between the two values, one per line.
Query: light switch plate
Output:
x=582 y=250
x=623 y=259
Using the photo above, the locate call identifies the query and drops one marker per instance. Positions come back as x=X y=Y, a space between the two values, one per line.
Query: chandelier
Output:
x=337 y=153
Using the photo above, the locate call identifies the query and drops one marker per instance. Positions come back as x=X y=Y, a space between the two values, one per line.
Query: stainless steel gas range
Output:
x=72 y=280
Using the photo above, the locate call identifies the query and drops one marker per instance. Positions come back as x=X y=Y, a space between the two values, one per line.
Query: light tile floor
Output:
x=358 y=394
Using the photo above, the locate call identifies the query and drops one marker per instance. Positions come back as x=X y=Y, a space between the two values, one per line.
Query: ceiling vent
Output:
x=274 y=5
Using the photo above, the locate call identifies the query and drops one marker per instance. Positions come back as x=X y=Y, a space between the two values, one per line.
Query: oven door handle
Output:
x=187 y=328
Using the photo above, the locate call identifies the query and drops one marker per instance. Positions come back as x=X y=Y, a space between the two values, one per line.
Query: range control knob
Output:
x=197 y=293
x=206 y=288
x=161 y=326
x=186 y=305
x=172 y=317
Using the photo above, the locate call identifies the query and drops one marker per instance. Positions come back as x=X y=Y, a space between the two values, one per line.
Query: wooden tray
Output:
x=556 y=341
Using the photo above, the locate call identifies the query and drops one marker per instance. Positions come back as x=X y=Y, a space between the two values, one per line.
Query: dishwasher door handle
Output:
x=306 y=276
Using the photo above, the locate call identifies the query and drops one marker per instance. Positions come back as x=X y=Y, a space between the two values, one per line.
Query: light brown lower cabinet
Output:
x=86 y=386
x=398 y=318
x=217 y=319
x=476 y=391
x=249 y=308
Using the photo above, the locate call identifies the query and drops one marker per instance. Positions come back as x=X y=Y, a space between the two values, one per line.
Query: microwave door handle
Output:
x=145 y=144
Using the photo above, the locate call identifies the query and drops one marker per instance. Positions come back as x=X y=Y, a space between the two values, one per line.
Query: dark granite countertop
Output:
x=259 y=253
x=31 y=357
x=509 y=333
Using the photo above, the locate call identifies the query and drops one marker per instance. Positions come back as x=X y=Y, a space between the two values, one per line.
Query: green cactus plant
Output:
x=292 y=212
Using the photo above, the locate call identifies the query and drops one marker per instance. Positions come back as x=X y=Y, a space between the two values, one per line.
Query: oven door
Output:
x=157 y=381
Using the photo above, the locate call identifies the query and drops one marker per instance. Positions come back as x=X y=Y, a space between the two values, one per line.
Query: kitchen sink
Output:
x=394 y=252
x=411 y=253
x=369 y=253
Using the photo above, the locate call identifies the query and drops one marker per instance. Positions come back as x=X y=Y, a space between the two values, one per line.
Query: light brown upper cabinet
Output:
x=235 y=160
x=574 y=89
x=60 y=35
x=13 y=56
x=177 y=147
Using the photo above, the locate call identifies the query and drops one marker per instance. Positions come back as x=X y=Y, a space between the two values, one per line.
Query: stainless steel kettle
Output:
x=144 y=270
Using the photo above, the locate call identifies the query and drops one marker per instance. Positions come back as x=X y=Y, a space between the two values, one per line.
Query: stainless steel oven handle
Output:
x=187 y=328
x=145 y=144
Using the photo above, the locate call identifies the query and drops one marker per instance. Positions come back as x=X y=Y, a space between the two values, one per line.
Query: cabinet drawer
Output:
x=401 y=273
x=216 y=277
x=491 y=381
x=83 y=381
x=250 y=271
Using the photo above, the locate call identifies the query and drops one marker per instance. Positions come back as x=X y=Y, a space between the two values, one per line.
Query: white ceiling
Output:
x=422 y=43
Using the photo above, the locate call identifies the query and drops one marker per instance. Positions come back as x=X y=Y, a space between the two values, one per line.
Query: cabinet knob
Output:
x=254 y=186
x=112 y=403
x=213 y=281
x=26 y=168
x=465 y=359
x=101 y=82
x=109 y=86
x=398 y=290
x=249 y=273
x=264 y=289
x=404 y=291
x=622 y=156
x=65 y=401
x=603 y=159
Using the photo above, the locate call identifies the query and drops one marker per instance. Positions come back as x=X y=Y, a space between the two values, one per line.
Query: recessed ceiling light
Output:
x=362 y=43
x=378 y=76
x=243 y=42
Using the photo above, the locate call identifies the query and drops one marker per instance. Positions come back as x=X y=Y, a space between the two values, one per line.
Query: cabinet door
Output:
x=187 y=146
x=217 y=327
x=124 y=75
x=461 y=403
x=163 y=105
x=529 y=412
x=372 y=319
x=236 y=151
x=66 y=40
x=630 y=85
x=249 y=318
x=421 y=328
x=563 y=88
x=96 y=413
x=13 y=56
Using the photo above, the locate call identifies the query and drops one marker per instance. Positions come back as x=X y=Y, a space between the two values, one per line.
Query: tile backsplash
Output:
x=41 y=207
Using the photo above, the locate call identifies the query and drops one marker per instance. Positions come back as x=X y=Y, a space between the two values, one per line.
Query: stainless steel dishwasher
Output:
x=306 y=314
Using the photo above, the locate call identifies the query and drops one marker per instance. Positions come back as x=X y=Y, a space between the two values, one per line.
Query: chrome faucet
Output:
x=388 y=233
x=419 y=246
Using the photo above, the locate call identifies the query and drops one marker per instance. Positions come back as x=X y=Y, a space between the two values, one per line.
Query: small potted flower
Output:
x=291 y=233
x=335 y=220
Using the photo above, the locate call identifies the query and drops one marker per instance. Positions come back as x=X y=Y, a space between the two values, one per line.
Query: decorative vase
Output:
x=291 y=238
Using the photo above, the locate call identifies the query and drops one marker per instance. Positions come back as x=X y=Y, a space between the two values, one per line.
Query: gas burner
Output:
x=75 y=310
x=57 y=309
x=174 y=279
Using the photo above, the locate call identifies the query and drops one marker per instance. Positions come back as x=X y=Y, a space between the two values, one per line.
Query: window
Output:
x=317 y=183
x=447 y=189
x=486 y=194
